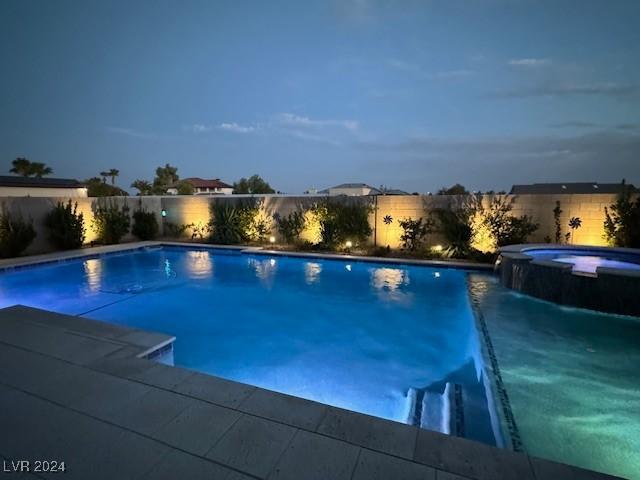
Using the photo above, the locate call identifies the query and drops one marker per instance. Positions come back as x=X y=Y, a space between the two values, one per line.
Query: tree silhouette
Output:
x=165 y=177
x=27 y=168
x=253 y=184
x=143 y=186
x=113 y=173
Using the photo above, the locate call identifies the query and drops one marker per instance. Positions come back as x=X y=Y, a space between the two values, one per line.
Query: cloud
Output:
x=236 y=128
x=628 y=126
x=529 y=62
x=130 y=132
x=403 y=65
x=414 y=68
x=500 y=162
x=293 y=120
x=575 y=124
x=550 y=90
x=198 y=128
x=449 y=74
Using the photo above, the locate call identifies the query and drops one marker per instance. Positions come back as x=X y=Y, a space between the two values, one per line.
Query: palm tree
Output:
x=104 y=174
x=21 y=166
x=113 y=173
x=39 y=169
x=143 y=187
x=27 y=168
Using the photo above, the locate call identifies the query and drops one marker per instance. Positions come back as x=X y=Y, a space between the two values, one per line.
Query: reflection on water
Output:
x=93 y=272
x=199 y=264
x=312 y=272
x=389 y=278
x=265 y=269
x=389 y=282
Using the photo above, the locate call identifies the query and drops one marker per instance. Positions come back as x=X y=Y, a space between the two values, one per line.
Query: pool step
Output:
x=437 y=410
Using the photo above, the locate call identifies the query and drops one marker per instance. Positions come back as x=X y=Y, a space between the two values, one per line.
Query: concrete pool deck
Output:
x=75 y=390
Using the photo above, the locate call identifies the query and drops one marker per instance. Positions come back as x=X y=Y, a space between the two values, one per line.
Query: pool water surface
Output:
x=393 y=342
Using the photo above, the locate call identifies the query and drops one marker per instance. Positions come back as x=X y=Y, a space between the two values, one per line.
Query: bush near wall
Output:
x=111 y=221
x=145 y=225
x=16 y=233
x=66 y=226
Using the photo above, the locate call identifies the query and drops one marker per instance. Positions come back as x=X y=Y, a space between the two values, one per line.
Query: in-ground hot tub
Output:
x=598 y=278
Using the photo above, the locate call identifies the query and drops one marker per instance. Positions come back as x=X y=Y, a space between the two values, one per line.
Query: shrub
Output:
x=557 y=211
x=199 y=230
x=176 y=231
x=145 y=225
x=110 y=221
x=414 y=233
x=456 y=229
x=505 y=228
x=341 y=221
x=16 y=234
x=291 y=226
x=66 y=226
x=622 y=220
x=231 y=224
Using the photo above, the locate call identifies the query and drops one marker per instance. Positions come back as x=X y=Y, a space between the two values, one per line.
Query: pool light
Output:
x=348 y=267
x=272 y=239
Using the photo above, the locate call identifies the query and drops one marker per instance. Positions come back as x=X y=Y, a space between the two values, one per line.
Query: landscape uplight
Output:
x=272 y=239
x=437 y=248
x=348 y=244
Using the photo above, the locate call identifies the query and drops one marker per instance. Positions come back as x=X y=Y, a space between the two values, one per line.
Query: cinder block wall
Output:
x=195 y=209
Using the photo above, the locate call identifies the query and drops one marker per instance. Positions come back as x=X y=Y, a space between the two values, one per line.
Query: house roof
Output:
x=394 y=191
x=374 y=191
x=353 y=185
x=34 y=182
x=569 y=188
x=202 y=183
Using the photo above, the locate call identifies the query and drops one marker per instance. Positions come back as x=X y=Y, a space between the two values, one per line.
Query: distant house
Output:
x=567 y=188
x=41 y=187
x=205 y=187
x=393 y=191
x=351 y=190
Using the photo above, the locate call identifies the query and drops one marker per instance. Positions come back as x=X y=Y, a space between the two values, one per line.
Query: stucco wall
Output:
x=42 y=192
x=36 y=208
x=195 y=209
x=590 y=209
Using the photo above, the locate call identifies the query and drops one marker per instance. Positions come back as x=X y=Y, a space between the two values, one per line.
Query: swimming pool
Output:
x=401 y=342
x=397 y=343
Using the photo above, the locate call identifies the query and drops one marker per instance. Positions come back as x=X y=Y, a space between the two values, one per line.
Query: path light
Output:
x=272 y=239
x=348 y=244
x=163 y=213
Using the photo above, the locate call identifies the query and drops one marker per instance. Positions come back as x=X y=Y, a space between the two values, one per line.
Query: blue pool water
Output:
x=367 y=337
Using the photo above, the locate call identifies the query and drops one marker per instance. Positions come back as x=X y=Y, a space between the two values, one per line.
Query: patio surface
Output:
x=75 y=390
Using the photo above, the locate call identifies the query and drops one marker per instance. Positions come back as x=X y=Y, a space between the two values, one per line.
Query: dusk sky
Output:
x=412 y=95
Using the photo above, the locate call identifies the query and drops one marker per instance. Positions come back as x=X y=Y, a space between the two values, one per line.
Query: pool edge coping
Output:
x=97 y=251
